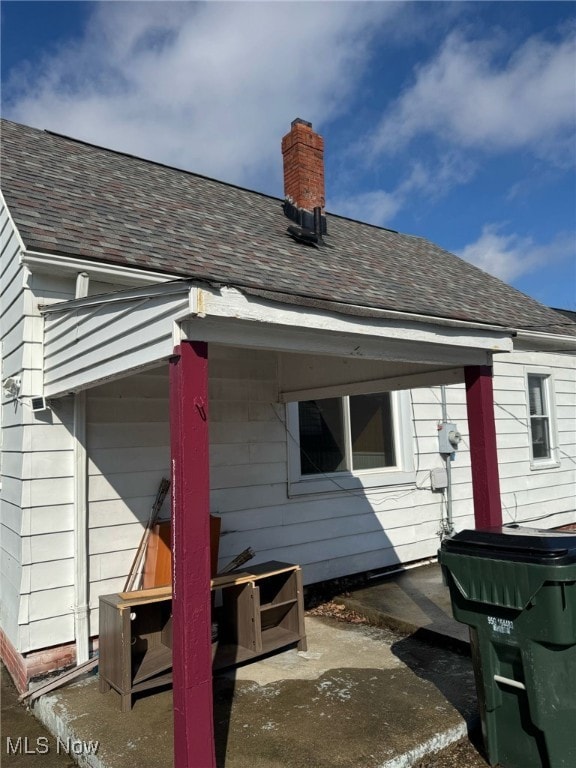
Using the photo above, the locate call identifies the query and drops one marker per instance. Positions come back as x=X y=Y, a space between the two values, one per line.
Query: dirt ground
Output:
x=25 y=743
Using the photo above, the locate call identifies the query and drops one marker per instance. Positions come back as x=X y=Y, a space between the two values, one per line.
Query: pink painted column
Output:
x=191 y=629
x=483 y=453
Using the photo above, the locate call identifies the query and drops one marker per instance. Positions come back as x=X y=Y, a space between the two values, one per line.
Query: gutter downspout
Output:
x=449 y=526
x=81 y=607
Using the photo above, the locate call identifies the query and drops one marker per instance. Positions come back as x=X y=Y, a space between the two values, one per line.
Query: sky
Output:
x=452 y=121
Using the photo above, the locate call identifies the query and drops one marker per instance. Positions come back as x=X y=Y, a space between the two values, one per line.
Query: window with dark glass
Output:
x=346 y=434
x=321 y=436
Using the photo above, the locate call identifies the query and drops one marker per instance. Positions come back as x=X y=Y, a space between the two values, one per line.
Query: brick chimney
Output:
x=303 y=153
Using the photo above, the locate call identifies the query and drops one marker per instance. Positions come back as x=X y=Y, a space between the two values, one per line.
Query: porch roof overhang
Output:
x=320 y=344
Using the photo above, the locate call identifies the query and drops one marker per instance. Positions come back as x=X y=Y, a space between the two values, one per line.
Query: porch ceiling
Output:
x=99 y=338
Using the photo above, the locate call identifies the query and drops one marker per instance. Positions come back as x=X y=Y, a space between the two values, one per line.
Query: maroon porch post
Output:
x=483 y=453
x=192 y=652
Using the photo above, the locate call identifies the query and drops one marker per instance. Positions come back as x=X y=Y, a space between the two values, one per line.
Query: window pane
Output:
x=539 y=416
x=372 y=431
x=536 y=396
x=321 y=436
x=540 y=438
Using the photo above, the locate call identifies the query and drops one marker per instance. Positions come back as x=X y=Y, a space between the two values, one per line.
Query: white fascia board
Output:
x=282 y=338
x=80 y=351
x=232 y=304
x=544 y=342
x=123 y=297
x=106 y=273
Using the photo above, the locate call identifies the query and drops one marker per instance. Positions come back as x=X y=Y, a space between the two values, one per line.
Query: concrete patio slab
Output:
x=414 y=600
x=358 y=696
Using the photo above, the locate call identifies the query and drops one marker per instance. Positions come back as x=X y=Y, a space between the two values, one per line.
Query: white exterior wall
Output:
x=528 y=491
x=330 y=535
x=340 y=533
x=128 y=446
x=37 y=494
x=12 y=321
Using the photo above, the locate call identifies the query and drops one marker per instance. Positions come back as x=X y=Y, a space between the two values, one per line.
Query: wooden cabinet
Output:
x=135 y=646
x=262 y=611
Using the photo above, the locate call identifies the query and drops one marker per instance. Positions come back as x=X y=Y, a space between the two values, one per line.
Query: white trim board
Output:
x=99 y=338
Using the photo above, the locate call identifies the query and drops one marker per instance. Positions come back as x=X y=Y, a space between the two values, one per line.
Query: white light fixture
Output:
x=11 y=386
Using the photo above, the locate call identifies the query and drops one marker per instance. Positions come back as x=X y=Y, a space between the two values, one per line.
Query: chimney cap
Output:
x=299 y=121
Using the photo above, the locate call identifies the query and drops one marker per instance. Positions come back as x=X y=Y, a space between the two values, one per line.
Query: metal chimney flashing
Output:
x=304 y=218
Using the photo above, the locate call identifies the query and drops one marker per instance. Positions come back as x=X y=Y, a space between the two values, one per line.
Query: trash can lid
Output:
x=515 y=542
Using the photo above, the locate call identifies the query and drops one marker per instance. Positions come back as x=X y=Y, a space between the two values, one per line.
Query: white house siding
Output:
x=38 y=460
x=11 y=360
x=528 y=492
x=329 y=534
x=343 y=532
x=98 y=341
x=128 y=446
x=37 y=467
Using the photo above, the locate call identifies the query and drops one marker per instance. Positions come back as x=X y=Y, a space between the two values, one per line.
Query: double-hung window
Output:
x=349 y=442
x=540 y=419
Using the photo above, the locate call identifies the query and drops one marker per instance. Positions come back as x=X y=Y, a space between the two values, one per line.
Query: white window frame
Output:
x=340 y=482
x=549 y=462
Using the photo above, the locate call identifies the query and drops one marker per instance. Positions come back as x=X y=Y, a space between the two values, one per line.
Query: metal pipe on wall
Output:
x=81 y=592
x=449 y=527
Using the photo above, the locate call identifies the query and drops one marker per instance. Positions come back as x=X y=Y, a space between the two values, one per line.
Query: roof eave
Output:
x=545 y=342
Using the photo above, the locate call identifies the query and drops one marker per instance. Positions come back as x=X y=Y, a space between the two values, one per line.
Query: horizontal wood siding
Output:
x=128 y=446
x=335 y=534
x=548 y=494
x=329 y=534
x=37 y=467
x=98 y=342
x=39 y=464
x=12 y=306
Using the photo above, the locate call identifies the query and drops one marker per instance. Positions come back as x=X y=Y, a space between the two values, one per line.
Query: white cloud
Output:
x=431 y=181
x=470 y=97
x=510 y=256
x=206 y=86
x=376 y=207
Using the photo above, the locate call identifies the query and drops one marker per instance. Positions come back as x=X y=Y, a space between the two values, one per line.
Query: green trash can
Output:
x=515 y=587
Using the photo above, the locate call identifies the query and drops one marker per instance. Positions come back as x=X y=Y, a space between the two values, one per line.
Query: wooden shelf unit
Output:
x=135 y=646
x=262 y=611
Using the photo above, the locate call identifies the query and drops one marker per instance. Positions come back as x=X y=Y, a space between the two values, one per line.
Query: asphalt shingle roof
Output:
x=75 y=199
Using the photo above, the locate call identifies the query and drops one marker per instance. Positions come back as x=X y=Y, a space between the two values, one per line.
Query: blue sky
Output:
x=454 y=121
